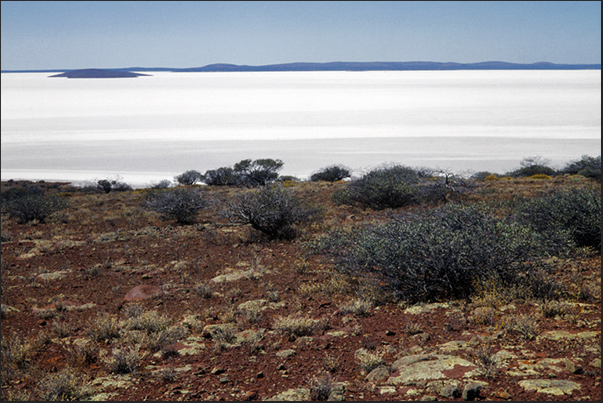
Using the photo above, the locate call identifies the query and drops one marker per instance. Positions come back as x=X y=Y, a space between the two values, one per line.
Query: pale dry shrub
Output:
x=104 y=328
x=485 y=360
x=412 y=328
x=295 y=325
x=356 y=307
x=550 y=309
x=321 y=387
x=82 y=355
x=369 y=360
x=63 y=386
x=149 y=322
x=124 y=360
x=524 y=325
x=204 y=290
x=331 y=362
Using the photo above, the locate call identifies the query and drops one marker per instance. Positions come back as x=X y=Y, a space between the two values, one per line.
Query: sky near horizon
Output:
x=111 y=34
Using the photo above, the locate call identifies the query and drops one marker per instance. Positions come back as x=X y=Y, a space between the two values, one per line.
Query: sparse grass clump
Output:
x=357 y=307
x=369 y=360
x=294 y=325
x=104 y=328
x=124 y=360
x=63 y=386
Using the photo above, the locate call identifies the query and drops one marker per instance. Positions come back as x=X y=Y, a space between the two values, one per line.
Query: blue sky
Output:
x=105 y=34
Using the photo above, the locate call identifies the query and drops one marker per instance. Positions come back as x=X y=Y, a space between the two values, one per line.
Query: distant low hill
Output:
x=331 y=66
x=98 y=73
x=373 y=66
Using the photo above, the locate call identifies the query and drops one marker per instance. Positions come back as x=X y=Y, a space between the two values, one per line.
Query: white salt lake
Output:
x=151 y=128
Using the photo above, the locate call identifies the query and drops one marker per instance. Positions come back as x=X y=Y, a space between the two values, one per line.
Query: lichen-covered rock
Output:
x=411 y=370
x=556 y=387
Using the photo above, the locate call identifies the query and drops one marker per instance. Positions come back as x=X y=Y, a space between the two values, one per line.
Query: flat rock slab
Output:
x=556 y=387
x=561 y=335
x=141 y=292
x=417 y=368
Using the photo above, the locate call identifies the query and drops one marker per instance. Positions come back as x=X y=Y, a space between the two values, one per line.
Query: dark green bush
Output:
x=258 y=172
x=29 y=204
x=574 y=213
x=112 y=185
x=331 y=173
x=587 y=166
x=180 y=204
x=273 y=210
x=387 y=187
x=224 y=176
x=532 y=166
x=441 y=254
x=189 y=177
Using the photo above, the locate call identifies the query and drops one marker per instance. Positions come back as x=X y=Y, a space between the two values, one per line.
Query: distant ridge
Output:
x=330 y=66
x=98 y=73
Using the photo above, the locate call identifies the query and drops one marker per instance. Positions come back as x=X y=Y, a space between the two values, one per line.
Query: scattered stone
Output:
x=471 y=391
x=452 y=346
x=555 y=387
x=224 y=379
x=386 y=390
x=424 y=308
x=217 y=371
x=291 y=395
x=57 y=275
x=561 y=335
x=285 y=353
x=429 y=398
x=573 y=368
x=595 y=363
x=143 y=291
x=413 y=369
x=450 y=391
x=378 y=374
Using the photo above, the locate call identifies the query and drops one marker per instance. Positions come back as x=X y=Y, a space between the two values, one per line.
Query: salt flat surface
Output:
x=151 y=128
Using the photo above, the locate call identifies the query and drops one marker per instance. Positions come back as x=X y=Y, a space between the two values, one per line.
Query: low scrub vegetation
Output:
x=180 y=204
x=444 y=253
x=273 y=210
x=29 y=204
x=331 y=173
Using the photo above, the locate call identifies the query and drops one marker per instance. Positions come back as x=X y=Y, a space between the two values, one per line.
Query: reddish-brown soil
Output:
x=107 y=244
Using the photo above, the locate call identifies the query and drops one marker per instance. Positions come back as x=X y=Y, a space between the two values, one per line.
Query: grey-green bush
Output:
x=587 y=166
x=180 y=204
x=575 y=213
x=273 y=210
x=331 y=173
x=189 y=177
x=440 y=254
x=29 y=204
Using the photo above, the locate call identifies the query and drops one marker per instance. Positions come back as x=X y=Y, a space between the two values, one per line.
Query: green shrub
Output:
x=273 y=210
x=574 y=213
x=180 y=204
x=387 y=187
x=440 y=254
x=189 y=177
x=532 y=166
x=31 y=204
x=224 y=176
x=587 y=166
x=331 y=173
x=112 y=185
x=258 y=172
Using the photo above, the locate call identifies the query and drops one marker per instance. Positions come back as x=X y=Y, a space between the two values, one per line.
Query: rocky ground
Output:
x=107 y=301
